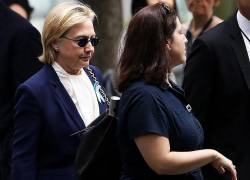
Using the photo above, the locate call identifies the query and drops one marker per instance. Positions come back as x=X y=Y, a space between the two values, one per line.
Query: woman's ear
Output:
x=55 y=46
x=168 y=46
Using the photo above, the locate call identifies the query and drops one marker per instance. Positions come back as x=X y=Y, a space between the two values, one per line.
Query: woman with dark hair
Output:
x=170 y=3
x=139 y=4
x=110 y=81
x=158 y=136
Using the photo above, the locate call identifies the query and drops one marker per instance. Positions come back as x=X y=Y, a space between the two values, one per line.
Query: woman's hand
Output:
x=221 y=163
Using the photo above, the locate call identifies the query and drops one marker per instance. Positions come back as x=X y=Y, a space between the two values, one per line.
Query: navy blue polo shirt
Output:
x=145 y=108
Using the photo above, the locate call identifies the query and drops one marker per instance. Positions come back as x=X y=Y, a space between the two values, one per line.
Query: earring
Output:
x=168 y=46
x=56 y=49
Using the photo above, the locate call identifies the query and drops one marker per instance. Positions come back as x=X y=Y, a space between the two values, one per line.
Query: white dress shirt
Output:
x=81 y=91
x=244 y=25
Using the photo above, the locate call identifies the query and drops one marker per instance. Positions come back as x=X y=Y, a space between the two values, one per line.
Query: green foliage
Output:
x=225 y=9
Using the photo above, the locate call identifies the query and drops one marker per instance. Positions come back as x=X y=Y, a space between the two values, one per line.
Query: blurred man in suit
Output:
x=217 y=84
x=20 y=46
x=21 y=7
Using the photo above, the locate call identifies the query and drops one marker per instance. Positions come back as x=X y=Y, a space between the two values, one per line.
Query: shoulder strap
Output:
x=104 y=95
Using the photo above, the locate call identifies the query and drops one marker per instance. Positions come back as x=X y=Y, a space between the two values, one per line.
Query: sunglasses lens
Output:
x=94 y=41
x=82 y=42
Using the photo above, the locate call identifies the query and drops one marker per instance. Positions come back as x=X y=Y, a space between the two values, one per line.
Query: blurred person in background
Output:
x=158 y=136
x=203 y=19
x=20 y=46
x=217 y=84
x=62 y=98
x=22 y=7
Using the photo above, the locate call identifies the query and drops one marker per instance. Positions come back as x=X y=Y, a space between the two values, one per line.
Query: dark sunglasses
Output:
x=167 y=10
x=84 y=40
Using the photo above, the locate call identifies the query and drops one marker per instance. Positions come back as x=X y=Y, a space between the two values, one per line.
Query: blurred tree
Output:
x=108 y=29
x=225 y=9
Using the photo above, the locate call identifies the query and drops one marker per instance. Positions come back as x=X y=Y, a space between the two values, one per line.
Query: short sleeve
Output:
x=147 y=115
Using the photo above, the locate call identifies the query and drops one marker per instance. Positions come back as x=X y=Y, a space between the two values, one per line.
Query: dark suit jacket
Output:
x=217 y=84
x=45 y=118
x=20 y=47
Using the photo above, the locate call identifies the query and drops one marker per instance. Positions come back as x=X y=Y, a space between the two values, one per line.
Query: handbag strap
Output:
x=102 y=92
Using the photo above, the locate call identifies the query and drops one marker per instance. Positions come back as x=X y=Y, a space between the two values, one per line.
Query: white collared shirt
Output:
x=244 y=25
x=81 y=91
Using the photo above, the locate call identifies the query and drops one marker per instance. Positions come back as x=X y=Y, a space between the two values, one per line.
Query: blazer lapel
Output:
x=64 y=97
x=239 y=48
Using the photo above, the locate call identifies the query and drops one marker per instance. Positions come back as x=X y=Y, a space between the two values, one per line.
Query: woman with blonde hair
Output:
x=59 y=100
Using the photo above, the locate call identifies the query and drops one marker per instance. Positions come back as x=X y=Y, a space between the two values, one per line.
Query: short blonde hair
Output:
x=60 y=20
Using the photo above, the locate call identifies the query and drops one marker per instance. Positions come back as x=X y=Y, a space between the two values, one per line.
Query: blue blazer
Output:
x=45 y=118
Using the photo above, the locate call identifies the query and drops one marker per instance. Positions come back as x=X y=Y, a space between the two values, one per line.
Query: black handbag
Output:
x=97 y=155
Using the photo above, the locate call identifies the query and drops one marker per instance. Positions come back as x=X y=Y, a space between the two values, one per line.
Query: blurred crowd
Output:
x=184 y=88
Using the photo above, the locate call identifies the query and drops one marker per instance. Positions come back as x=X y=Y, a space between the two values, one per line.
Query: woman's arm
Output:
x=156 y=152
x=27 y=127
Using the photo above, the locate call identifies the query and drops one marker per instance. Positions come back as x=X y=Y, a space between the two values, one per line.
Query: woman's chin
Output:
x=84 y=63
